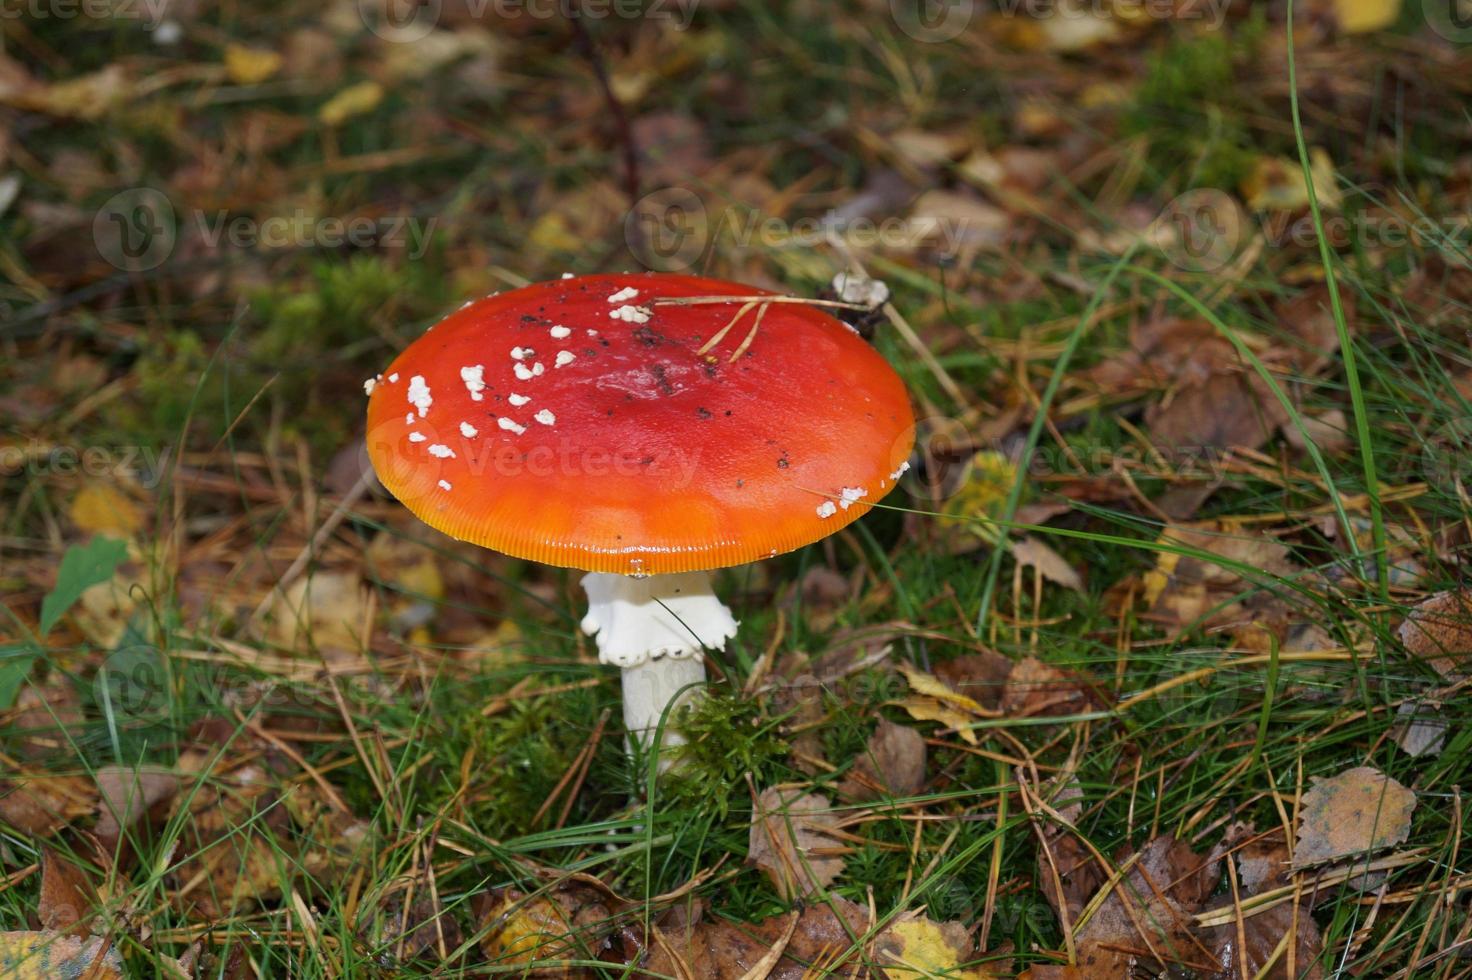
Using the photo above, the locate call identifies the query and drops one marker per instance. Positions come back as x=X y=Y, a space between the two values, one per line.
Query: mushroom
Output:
x=647 y=430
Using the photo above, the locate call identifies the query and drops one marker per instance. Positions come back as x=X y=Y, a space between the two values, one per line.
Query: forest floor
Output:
x=1151 y=667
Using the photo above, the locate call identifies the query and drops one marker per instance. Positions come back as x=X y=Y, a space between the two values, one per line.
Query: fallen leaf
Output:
x=923 y=708
x=914 y=946
x=1165 y=885
x=127 y=796
x=250 y=66
x=570 y=922
x=932 y=687
x=41 y=805
x=1419 y=730
x=47 y=956
x=101 y=508
x=1031 y=552
x=1277 y=184
x=1439 y=631
x=67 y=896
x=1264 y=934
x=355 y=100
x=721 y=950
x=893 y=764
x=1364 y=16
x=980 y=676
x=788 y=839
x=87 y=97
x=1184 y=591
x=326 y=611
x=1035 y=688
x=1357 y=811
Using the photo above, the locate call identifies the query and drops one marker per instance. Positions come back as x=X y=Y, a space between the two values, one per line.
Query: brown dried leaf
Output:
x=788 y=839
x=1163 y=888
x=1356 y=811
x=67 y=896
x=1183 y=591
x=1262 y=933
x=128 y=795
x=1231 y=409
x=41 y=805
x=892 y=765
x=1419 y=730
x=979 y=676
x=1439 y=631
x=1031 y=552
x=723 y=950
x=1035 y=688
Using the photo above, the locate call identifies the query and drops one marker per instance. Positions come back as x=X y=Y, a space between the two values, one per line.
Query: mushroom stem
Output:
x=655 y=628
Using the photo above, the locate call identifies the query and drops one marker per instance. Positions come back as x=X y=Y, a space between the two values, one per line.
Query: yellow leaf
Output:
x=923 y=683
x=84 y=97
x=250 y=66
x=915 y=947
x=929 y=709
x=1363 y=16
x=46 y=956
x=100 y=508
x=351 y=101
x=1277 y=184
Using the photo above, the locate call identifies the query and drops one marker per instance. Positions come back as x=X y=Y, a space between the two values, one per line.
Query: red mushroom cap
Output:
x=574 y=423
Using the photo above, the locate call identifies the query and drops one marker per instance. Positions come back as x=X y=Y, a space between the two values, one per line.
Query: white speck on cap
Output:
x=370 y=384
x=592 y=332
x=510 y=426
x=439 y=451
x=904 y=468
x=567 y=275
x=474 y=378
x=409 y=419
x=850 y=495
x=537 y=369
x=393 y=378
x=445 y=485
x=416 y=437
x=521 y=353
x=631 y=314
x=560 y=333
x=467 y=430
x=419 y=395
x=517 y=400
x=545 y=417
x=624 y=295
x=564 y=358
x=827 y=509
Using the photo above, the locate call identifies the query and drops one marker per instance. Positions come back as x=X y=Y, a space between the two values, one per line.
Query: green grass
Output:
x=253 y=382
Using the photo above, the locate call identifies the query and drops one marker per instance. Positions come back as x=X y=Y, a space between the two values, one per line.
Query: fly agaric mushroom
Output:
x=646 y=429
